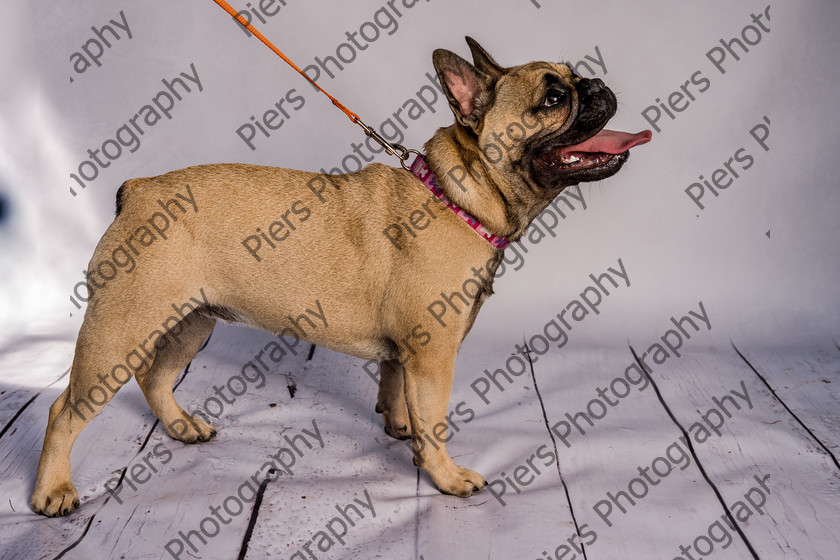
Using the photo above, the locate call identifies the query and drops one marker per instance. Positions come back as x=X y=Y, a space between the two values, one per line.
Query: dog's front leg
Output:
x=428 y=382
x=391 y=400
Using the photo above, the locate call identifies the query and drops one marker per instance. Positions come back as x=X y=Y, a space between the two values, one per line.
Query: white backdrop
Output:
x=762 y=256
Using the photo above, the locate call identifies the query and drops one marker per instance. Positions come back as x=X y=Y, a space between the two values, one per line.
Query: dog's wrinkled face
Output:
x=580 y=150
x=540 y=120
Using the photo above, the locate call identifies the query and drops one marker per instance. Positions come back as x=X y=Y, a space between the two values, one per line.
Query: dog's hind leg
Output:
x=107 y=355
x=192 y=331
x=391 y=400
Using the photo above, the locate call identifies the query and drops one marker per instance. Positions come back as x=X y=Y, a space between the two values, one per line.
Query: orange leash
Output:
x=235 y=15
x=391 y=149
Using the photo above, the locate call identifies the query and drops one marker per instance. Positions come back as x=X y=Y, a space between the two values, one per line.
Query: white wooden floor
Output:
x=765 y=484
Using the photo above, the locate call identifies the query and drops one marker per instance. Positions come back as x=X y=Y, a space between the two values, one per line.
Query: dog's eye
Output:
x=553 y=97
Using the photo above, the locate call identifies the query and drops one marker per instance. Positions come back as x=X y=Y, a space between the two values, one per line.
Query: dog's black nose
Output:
x=587 y=86
x=597 y=103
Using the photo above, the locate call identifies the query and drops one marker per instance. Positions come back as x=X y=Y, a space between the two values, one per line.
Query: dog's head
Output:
x=536 y=128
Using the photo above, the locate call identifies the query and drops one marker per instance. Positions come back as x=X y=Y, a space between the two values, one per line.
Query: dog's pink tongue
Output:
x=610 y=142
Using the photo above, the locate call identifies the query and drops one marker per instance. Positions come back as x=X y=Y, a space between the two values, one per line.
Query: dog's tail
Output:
x=122 y=194
x=120 y=197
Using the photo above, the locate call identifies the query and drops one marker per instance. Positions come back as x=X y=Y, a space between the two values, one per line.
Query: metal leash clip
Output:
x=397 y=150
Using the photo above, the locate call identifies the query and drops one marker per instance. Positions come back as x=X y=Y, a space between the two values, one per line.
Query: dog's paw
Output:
x=459 y=481
x=396 y=425
x=61 y=500
x=190 y=430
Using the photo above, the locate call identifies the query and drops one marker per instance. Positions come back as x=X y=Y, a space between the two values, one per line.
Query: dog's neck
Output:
x=421 y=171
x=478 y=188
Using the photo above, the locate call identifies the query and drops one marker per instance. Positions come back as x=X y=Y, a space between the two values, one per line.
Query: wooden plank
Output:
x=359 y=464
x=809 y=384
x=30 y=366
x=629 y=431
x=802 y=512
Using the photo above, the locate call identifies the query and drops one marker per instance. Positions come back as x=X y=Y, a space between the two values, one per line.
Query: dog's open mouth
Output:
x=594 y=152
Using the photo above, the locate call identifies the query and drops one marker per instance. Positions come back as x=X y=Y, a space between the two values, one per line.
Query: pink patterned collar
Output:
x=422 y=172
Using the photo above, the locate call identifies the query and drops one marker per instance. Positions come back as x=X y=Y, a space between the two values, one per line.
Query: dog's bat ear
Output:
x=469 y=90
x=483 y=61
